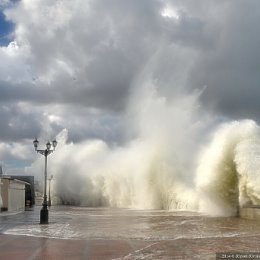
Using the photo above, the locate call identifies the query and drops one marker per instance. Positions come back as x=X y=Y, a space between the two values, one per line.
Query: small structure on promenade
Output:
x=16 y=187
x=13 y=194
x=29 y=189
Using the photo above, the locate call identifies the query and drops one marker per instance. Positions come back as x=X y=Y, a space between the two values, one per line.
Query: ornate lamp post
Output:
x=50 y=179
x=44 y=214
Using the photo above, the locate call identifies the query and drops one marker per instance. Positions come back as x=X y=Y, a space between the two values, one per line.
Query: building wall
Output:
x=16 y=196
x=250 y=212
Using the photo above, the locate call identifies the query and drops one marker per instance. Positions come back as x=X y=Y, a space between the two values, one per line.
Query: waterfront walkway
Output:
x=88 y=233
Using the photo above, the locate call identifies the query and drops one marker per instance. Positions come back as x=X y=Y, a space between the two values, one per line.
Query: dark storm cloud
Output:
x=94 y=61
x=102 y=46
x=17 y=124
x=230 y=69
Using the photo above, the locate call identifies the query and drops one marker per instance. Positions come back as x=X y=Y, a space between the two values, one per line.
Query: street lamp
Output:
x=44 y=214
x=49 y=179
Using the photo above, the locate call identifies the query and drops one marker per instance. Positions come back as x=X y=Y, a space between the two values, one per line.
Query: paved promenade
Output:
x=87 y=233
x=31 y=248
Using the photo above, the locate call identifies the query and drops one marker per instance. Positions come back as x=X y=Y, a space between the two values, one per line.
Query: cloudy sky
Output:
x=79 y=64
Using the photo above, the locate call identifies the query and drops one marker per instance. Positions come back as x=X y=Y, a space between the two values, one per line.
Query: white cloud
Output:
x=170 y=13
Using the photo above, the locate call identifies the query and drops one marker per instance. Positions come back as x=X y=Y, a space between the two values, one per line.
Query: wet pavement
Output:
x=106 y=233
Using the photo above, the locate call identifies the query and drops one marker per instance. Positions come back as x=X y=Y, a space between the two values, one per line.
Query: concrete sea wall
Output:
x=250 y=212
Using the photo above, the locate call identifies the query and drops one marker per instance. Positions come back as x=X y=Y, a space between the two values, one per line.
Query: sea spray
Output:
x=154 y=169
x=176 y=159
x=121 y=177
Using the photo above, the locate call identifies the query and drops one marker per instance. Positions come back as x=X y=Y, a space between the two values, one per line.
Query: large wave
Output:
x=177 y=160
x=228 y=172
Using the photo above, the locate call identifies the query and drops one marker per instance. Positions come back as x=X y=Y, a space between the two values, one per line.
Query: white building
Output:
x=13 y=194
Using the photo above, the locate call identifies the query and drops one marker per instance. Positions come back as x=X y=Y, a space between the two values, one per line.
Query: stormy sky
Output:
x=76 y=64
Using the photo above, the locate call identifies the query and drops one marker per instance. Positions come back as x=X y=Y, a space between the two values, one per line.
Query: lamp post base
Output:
x=44 y=215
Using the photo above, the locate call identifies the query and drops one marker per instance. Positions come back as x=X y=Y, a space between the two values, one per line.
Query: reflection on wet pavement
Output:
x=102 y=223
